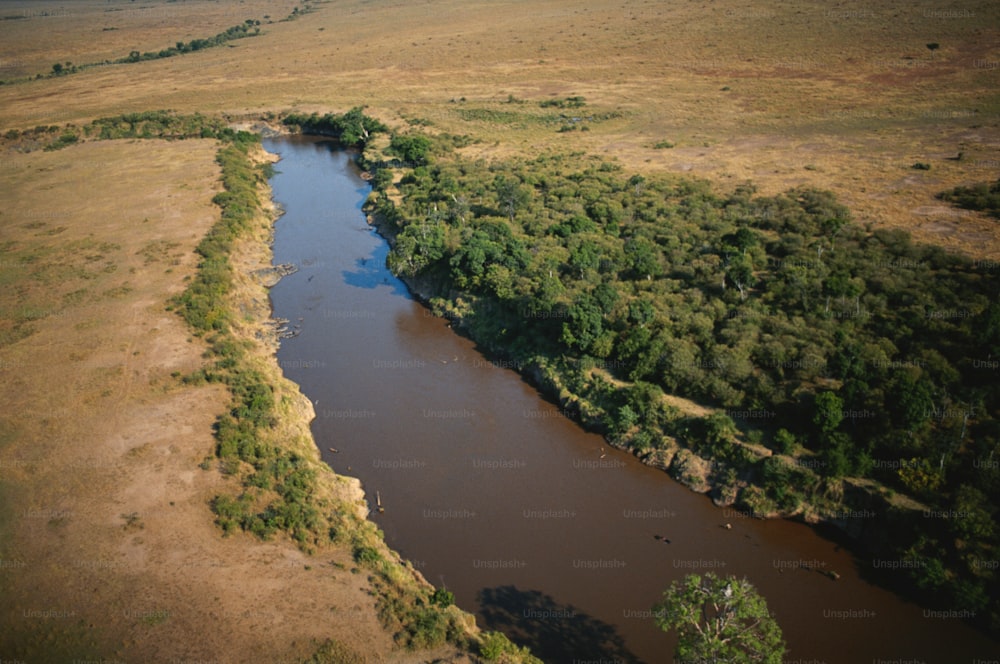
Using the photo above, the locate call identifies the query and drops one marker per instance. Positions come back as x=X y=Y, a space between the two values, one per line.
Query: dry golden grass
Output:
x=40 y=33
x=845 y=97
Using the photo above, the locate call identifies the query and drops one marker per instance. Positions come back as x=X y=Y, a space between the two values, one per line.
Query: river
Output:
x=538 y=527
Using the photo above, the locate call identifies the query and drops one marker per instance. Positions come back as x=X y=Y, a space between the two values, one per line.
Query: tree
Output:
x=719 y=620
x=740 y=272
x=411 y=149
x=642 y=258
x=829 y=412
x=637 y=181
x=512 y=195
x=585 y=323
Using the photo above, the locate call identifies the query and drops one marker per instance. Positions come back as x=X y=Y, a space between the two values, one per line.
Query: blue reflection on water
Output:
x=371 y=272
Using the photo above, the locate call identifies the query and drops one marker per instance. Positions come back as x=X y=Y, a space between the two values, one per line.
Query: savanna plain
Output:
x=135 y=331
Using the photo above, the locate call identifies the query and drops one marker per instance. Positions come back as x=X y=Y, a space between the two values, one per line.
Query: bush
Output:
x=982 y=196
x=496 y=647
x=412 y=149
x=353 y=128
x=368 y=556
x=443 y=598
x=785 y=441
x=334 y=652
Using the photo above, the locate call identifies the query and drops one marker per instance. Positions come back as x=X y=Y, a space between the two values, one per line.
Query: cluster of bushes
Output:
x=873 y=353
x=163 y=124
x=65 y=139
x=522 y=119
x=203 y=304
x=982 y=196
x=418 y=617
x=249 y=28
x=298 y=12
x=146 y=124
x=60 y=69
x=568 y=102
x=411 y=148
x=496 y=647
x=352 y=129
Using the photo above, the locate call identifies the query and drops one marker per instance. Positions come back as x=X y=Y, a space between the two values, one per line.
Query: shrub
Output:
x=366 y=555
x=443 y=598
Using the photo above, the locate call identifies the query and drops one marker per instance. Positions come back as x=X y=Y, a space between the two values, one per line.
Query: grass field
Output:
x=846 y=97
x=99 y=446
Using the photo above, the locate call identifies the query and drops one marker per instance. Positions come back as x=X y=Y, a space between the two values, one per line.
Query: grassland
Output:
x=100 y=447
x=845 y=98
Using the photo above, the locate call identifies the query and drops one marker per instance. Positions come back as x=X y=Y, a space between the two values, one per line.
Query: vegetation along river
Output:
x=538 y=527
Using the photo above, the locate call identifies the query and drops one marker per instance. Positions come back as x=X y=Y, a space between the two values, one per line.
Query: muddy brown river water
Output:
x=538 y=527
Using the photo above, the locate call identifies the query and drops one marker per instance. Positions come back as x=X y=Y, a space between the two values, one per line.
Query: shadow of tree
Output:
x=554 y=632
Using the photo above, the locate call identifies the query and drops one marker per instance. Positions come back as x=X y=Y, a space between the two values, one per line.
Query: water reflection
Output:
x=370 y=272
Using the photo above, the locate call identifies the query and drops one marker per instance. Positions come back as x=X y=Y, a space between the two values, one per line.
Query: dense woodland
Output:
x=830 y=350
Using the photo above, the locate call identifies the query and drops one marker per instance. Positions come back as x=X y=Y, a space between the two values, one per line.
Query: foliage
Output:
x=411 y=148
x=66 y=139
x=496 y=647
x=249 y=28
x=868 y=349
x=982 y=196
x=417 y=622
x=334 y=652
x=443 y=598
x=567 y=102
x=203 y=304
x=353 y=128
x=279 y=488
x=165 y=124
x=719 y=620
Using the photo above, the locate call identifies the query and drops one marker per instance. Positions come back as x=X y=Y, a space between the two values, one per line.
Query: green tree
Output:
x=719 y=620
x=829 y=412
x=911 y=400
x=740 y=272
x=642 y=258
x=512 y=195
x=412 y=149
x=585 y=324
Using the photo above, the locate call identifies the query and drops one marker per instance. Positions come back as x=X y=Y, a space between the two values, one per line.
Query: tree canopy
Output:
x=719 y=620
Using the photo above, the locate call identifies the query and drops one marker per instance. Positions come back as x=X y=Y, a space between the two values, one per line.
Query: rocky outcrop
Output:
x=269 y=276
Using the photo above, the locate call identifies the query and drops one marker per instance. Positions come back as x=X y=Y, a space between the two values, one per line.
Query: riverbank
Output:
x=323 y=512
x=101 y=443
x=108 y=548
